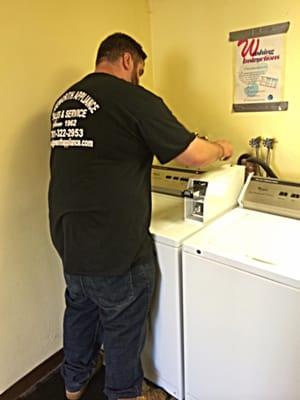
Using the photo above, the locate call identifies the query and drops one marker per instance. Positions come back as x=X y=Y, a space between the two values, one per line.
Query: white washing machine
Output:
x=241 y=296
x=163 y=353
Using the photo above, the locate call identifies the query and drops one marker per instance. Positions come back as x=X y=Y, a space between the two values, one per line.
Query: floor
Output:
x=52 y=388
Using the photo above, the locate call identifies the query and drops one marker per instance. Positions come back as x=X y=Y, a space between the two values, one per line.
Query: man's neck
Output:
x=111 y=69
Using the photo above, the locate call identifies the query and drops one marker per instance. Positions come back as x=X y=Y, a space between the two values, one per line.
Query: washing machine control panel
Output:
x=273 y=196
x=172 y=181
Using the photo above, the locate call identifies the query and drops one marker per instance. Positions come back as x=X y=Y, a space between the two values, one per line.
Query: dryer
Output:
x=241 y=297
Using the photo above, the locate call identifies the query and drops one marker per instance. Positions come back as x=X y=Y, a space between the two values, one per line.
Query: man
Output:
x=105 y=131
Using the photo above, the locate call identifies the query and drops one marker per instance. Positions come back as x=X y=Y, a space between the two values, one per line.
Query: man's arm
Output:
x=201 y=152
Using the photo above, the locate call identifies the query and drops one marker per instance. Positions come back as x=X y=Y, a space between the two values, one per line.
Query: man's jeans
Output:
x=111 y=311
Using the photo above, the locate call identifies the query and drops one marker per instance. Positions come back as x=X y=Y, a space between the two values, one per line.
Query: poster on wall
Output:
x=259 y=68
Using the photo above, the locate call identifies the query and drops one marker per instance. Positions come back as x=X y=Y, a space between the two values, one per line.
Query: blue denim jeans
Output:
x=111 y=311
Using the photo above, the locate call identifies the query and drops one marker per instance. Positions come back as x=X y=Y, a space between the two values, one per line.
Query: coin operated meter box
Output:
x=214 y=193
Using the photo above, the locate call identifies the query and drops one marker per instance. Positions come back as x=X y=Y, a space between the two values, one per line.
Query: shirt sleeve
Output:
x=163 y=133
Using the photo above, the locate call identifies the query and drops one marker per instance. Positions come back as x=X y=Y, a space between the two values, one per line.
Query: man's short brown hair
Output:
x=117 y=44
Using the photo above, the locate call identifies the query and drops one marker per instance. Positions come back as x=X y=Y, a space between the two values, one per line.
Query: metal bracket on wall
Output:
x=252 y=107
x=267 y=30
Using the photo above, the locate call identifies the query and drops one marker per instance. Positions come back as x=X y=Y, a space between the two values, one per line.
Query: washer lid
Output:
x=260 y=243
x=167 y=222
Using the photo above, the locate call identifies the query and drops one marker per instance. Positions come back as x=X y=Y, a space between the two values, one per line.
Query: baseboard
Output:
x=35 y=376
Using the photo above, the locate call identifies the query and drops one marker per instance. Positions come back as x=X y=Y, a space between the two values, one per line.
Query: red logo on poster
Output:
x=249 y=47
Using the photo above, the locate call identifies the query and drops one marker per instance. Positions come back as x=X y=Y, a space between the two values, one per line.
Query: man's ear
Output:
x=127 y=61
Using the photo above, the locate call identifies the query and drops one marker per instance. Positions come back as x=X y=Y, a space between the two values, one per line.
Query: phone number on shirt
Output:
x=69 y=133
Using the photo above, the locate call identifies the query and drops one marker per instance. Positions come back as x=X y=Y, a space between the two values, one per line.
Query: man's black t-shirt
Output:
x=104 y=134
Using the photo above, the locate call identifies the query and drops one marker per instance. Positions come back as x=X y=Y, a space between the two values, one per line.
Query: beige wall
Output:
x=45 y=46
x=193 y=71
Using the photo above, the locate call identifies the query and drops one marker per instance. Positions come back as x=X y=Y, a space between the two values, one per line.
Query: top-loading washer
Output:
x=163 y=353
x=241 y=297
